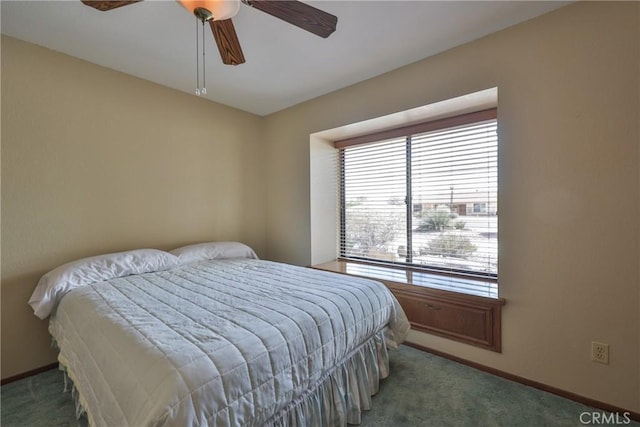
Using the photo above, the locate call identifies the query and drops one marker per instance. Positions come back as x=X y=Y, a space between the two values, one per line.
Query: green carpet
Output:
x=423 y=390
x=427 y=390
x=38 y=401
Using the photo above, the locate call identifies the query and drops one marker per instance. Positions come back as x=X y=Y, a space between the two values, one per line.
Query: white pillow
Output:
x=56 y=283
x=213 y=250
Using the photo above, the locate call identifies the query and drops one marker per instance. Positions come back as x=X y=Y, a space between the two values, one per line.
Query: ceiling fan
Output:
x=218 y=14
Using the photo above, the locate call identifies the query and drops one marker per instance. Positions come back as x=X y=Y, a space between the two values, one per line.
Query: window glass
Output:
x=425 y=199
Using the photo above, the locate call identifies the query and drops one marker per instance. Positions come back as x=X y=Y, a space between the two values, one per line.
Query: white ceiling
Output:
x=155 y=40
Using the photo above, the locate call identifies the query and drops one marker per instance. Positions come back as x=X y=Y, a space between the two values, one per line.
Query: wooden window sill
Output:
x=461 y=309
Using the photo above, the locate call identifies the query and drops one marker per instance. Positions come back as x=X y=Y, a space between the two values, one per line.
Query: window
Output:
x=423 y=195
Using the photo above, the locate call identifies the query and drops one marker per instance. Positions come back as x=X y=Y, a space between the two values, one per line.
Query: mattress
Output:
x=222 y=342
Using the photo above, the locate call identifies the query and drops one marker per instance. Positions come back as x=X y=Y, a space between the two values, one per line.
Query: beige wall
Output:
x=95 y=161
x=568 y=101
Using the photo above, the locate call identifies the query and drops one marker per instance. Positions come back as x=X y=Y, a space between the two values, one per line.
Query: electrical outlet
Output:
x=600 y=352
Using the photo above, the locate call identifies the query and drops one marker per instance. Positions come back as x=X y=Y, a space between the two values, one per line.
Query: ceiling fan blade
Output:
x=105 y=5
x=299 y=14
x=227 y=40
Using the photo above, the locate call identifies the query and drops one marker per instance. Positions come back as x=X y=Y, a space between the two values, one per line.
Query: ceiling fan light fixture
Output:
x=220 y=9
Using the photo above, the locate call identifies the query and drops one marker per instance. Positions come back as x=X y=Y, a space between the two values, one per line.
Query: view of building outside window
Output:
x=426 y=200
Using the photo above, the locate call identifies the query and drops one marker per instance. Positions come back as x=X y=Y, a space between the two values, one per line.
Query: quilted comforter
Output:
x=226 y=342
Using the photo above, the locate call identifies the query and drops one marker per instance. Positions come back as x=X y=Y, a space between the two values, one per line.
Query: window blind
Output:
x=425 y=196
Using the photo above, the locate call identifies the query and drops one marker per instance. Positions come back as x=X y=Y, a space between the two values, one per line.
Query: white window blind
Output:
x=425 y=195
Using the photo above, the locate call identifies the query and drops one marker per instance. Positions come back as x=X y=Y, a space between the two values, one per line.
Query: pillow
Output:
x=213 y=250
x=56 y=283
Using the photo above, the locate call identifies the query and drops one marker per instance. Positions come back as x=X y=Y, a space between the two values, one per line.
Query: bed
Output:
x=209 y=335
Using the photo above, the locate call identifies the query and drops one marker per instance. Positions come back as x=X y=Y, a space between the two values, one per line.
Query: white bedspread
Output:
x=226 y=343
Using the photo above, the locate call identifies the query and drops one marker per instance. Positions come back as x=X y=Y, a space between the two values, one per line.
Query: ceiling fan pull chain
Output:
x=203 y=91
x=197 y=62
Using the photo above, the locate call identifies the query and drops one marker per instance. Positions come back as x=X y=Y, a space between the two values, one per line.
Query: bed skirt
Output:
x=337 y=400
x=342 y=395
x=69 y=379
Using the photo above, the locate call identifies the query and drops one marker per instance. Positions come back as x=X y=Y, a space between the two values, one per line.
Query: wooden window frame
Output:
x=455 y=314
